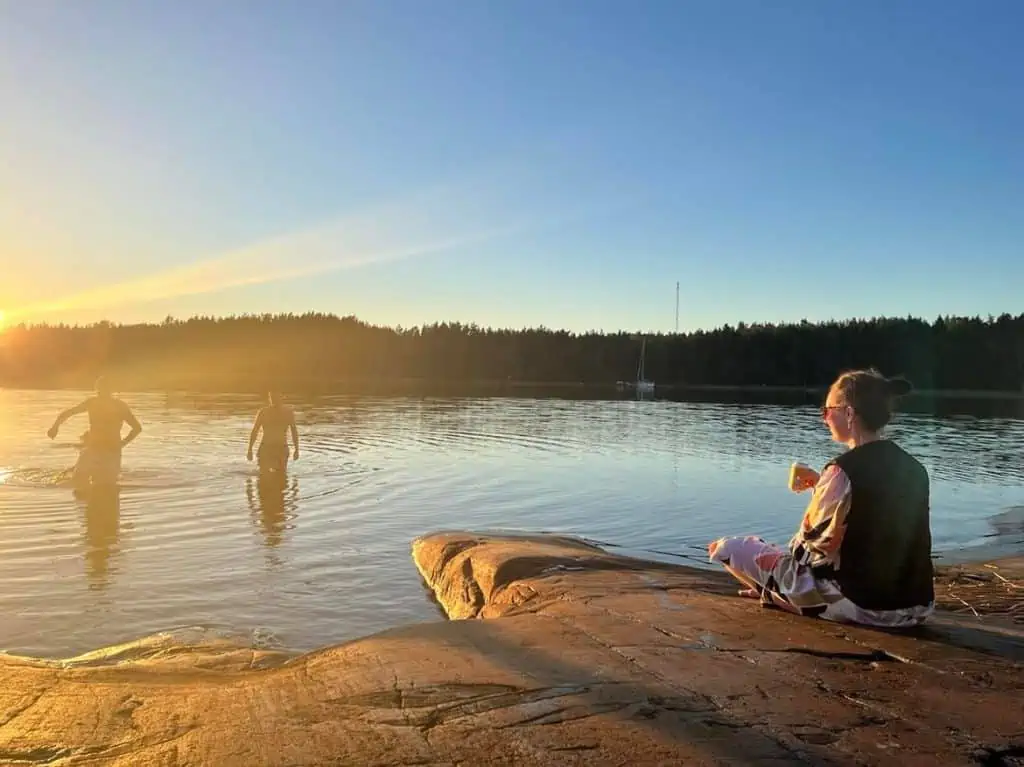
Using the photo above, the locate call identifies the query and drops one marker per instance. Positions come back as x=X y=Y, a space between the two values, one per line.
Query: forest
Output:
x=325 y=352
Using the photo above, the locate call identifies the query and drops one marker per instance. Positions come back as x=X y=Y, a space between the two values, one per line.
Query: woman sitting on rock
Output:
x=862 y=553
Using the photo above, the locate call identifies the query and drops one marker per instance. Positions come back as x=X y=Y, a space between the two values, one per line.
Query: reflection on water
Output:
x=102 y=531
x=195 y=537
x=273 y=500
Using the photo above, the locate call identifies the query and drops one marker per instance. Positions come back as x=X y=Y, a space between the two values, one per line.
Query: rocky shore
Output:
x=560 y=654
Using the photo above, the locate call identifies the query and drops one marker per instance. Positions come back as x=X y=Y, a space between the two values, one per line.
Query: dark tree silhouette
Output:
x=329 y=353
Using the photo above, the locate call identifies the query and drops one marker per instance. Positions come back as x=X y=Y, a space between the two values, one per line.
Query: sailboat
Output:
x=643 y=386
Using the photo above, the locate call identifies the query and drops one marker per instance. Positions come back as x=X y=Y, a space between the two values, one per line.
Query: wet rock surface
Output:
x=567 y=655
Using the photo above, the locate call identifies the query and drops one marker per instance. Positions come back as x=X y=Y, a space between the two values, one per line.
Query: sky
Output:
x=514 y=163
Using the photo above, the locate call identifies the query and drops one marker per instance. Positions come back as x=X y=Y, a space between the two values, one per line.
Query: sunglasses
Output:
x=826 y=408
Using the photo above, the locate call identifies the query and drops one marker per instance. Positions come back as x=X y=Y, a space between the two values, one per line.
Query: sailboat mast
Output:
x=677 y=307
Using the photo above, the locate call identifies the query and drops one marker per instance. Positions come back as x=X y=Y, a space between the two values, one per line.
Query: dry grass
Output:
x=983 y=590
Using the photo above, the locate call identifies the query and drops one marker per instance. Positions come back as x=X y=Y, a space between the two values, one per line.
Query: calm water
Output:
x=195 y=540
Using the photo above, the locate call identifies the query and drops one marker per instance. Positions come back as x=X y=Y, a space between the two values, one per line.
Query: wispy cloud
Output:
x=432 y=222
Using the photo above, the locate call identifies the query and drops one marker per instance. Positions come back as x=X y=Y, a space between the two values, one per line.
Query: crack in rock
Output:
x=872 y=656
x=38 y=755
x=432 y=713
x=556 y=714
x=17 y=711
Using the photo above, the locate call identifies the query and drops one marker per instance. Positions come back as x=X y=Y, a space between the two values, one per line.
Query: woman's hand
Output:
x=805 y=478
x=812 y=479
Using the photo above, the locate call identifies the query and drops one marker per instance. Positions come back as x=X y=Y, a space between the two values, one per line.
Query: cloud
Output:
x=433 y=221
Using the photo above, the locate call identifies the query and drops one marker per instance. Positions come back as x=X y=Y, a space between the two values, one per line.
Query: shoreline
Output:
x=1007 y=551
x=948 y=572
x=555 y=652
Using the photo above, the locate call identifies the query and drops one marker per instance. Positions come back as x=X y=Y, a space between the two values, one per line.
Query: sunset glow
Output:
x=431 y=222
x=506 y=168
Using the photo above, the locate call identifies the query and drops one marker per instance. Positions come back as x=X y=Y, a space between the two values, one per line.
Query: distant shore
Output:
x=491 y=386
x=769 y=389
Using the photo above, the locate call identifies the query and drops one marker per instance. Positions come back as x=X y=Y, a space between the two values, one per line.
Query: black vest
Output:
x=885 y=560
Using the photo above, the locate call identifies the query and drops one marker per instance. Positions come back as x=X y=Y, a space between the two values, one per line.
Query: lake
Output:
x=196 y=540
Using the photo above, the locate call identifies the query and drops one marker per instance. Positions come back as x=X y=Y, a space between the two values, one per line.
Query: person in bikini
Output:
x=275 y=420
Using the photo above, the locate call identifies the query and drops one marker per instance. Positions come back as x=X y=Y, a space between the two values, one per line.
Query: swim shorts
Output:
x=273 y=456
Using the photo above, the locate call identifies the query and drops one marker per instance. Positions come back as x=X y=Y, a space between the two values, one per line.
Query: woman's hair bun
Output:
x=898 y=386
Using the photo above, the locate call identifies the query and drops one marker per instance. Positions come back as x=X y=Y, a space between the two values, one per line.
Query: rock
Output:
x=817 y=690
x=580 y=657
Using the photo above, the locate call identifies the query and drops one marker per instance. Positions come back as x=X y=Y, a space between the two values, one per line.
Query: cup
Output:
x=799 y=474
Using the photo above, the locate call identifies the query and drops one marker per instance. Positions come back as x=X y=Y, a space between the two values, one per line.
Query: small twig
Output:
x=1007 y=581
x=958 y=599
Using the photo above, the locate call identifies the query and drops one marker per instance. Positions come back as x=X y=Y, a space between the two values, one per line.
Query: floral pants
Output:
x=775 y=572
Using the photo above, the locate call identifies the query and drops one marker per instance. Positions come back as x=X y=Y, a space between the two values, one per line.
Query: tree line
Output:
x=328 y=352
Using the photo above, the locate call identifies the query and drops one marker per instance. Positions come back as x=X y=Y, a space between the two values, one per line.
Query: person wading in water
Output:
x=276 y=420
x=99 y=462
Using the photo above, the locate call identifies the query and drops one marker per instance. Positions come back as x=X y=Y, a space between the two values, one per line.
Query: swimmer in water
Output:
x=99 y=458
x=276 y=420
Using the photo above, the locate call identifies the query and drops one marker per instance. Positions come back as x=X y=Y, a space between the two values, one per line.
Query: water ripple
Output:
x=196 y=538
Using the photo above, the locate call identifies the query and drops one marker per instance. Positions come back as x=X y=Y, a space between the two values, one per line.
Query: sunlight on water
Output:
x=195 y=539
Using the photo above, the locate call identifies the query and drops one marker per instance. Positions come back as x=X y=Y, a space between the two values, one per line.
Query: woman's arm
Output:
x=820 y=535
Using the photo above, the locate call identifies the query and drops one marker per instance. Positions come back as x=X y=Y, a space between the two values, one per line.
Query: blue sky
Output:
x=511 y=163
